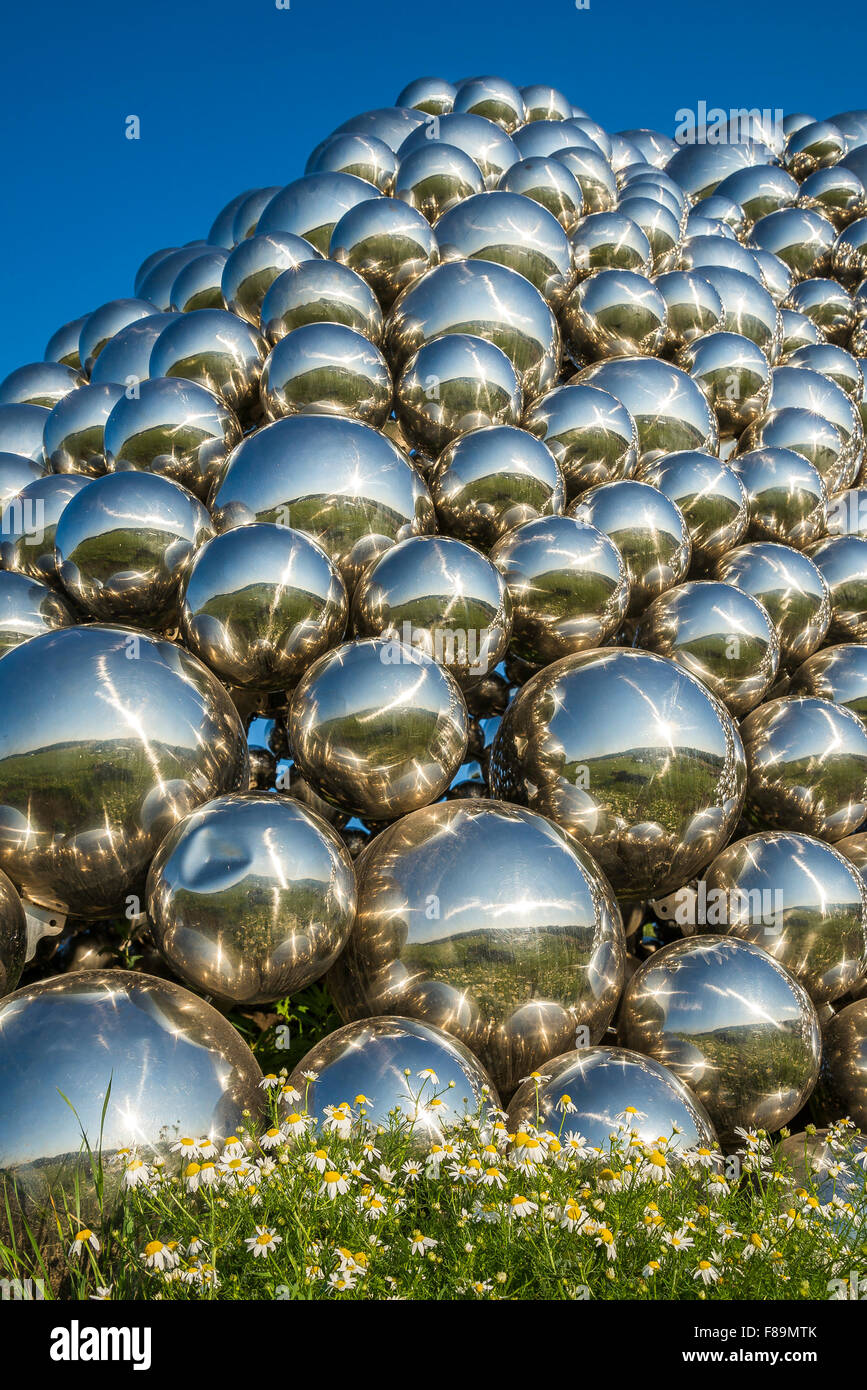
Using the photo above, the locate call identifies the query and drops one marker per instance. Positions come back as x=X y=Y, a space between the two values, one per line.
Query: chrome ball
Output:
x=669 y=409
x=125 y=359
x=62 y=346
x=610 y=1087
x=311 y=207
x=651 y=818
x=254 y=265
x=786 y=498
x=798 y=899
x=807 y=767
x=340 y=481
x=263 y=921
x=732 y=1024
x=387 y=1061
x=748 y=308
x=388 y=243
x=827 y=306
x=487 y=301
x=126 y=1060
x=29 y=524
x=648 y=529
x=842 y=1088
x=592 y=173
x=804 y=240
x=486 y=143
x=549 y=183
x=789 y=586
x=124 y=544
x=364 y=156
x=216 y=349
x=711 y=499
x=145 y=733
x=591 y=435
x=378 y=728
x=734 y=375
x=16 y=472
x=441 y=596
x=326 y=369
x=174 y=428
x=453 y=927
x=693 y=307
x=610 y=241
x=720 y=635
x=836 y=673
x=28 y=608
x=492 y=97
x=431 y=95
x=101 y=326
x=74 y=434
x=320 y=291
x=437 y=177
x=511 y=230
x=260 y=604
x=39 y=383
x=21 y=430
x=491 y=480
x=452 y=385
x=567 y=584
x=614 y=313
x=842 y=563
x=198 y=284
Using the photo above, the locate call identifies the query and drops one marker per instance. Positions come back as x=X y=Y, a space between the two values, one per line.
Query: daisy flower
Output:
x=84 y=1238
x=263 y=1243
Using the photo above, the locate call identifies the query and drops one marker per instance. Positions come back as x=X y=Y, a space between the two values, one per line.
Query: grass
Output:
x=349 y=1212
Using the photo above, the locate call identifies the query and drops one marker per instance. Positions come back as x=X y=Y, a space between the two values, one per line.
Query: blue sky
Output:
x=235 y=95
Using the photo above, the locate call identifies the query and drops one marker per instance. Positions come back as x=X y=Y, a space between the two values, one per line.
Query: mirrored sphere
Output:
x=710 y=497
x=842 y=562
x=610 y=241
x=789 y=586
x=436 y=177
x=549 y=183
x=378 y=728
x=16 y=472
x=442 y=596
x=734 y=375
x=568 y=587
x=591 y=435
x=136 y=735
x=320 y=291
x=511 y=230
x=432 y=95
x=28 y=608
x=614 y=313
x=340 y=481
x=74 y=435
x=827 y=306
x=842 y=1088
x=720 y=635
x=786 y=498
x=254 y=265
x=39 y=383
x=632 y=757
x=732 y=1024
x=216 y=349
x=156 y=286
x=486 y=143
x=125 y=359
x=487 y=301
x=21 y=430
x=29 y=524
x=800 y=237
x=310 y=207
x=494 y=479
x=602 y=1083
x=807 y=767
x=836 y=673
x=326 y=369
x=592 y=173
x=492 y=97
x=198 y=284
x=452 y=385
x=799 y=900
x=648 y=529
x=669 y=409
x=251 y=897
x=62 y=346
x=484 y=920
x=175 y=1067
x=364 y=156
x=174 y=428
x=388 y=243
x=124 y=544
x=260 y=604
x=102 y=325
x=693 y=306
x=384 y=1060
x=391 y=124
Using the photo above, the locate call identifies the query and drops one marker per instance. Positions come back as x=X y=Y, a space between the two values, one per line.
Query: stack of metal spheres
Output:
x=448 y=579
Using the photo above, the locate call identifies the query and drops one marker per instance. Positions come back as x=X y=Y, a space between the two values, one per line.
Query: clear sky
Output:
x=234 y=94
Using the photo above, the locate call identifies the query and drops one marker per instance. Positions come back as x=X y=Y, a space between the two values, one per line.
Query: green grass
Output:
x=590 y=1226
